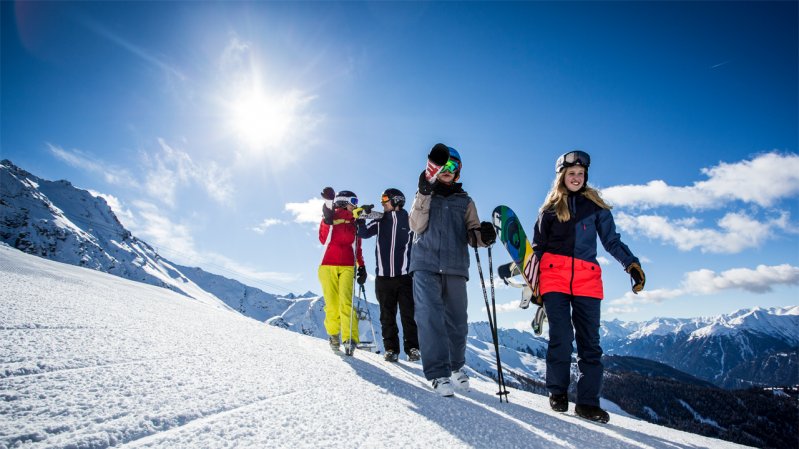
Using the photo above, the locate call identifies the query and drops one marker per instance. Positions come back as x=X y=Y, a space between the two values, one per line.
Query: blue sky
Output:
x=211 y=128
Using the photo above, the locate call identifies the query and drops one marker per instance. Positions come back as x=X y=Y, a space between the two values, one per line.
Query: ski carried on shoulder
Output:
x=525 y=263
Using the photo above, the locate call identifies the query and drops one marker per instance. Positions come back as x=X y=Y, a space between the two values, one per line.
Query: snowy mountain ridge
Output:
x=780 y=322
x=55 y=220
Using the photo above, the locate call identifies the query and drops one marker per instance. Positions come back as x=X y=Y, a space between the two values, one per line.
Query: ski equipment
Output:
x=491 y=316
x=571 y=159
x=443 y=387
x=345 y=198
x=592 y=413
x=511 y=234
x=393 y=196
x=460 y=379
x=454 y=164
x=559 y=402
x=335 y=342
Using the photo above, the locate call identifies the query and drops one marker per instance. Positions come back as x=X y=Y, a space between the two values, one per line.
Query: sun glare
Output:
x=261 y=121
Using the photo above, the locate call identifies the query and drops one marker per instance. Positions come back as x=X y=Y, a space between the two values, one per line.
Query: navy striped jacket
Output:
x=394 y=241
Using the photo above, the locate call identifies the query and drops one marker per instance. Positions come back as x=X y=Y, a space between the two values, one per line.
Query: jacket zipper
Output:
x=573 y=207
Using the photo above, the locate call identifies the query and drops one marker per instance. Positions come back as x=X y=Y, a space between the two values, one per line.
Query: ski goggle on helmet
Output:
x=344 y=198
x=454 y=164
x=571 y=159
x=394 y=196
x=451 y=166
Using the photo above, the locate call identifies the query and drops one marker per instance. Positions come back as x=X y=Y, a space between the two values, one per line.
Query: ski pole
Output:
x=369 y=314
x=491 y=323
x=502 y=389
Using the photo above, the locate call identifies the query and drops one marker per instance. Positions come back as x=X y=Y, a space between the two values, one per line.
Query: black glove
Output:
x=637 y=275
x=367 y=208
x=361 y=278
x=425 y=188
x=487 y=233
x=328 y=194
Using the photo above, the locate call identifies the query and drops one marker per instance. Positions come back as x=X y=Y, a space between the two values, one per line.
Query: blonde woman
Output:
x=570 y=282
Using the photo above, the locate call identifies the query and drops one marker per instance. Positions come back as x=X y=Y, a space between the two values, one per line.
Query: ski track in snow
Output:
x=92 y=360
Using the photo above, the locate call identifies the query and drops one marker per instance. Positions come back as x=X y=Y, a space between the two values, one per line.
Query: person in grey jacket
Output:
x=444 y=220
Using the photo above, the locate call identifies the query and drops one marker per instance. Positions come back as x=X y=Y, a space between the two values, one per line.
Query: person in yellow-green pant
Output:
x=337 y=232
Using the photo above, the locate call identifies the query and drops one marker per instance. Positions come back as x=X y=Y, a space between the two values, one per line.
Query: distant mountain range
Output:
x=665 y=370
x=750 y=347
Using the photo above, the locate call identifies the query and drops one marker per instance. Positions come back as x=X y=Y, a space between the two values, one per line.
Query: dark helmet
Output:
x=345 y=197
x=571 y=159
x=394 y=196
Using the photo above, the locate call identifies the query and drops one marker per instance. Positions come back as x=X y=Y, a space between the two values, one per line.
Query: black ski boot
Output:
x=391 y=356
x=592 y=413
x=559 y=402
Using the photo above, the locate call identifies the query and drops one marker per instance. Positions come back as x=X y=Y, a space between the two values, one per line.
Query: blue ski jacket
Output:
x=567 y=251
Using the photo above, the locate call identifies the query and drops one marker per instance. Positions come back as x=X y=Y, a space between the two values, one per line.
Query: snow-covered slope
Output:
x=56 y=220
x=93 y=360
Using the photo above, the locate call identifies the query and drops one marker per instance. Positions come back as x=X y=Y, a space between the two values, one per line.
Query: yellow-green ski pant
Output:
x=337 y=288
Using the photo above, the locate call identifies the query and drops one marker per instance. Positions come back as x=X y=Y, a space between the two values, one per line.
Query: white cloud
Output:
x=707 y=282
x=125 y=216
x=768 y=178
x=174 y=241
x=523 y=326
x=307 y=212
x=512 y=306
x=760 y=280
x=159 y=231
x=736 y=231
x=79 y=159
x=173 y=168
x=267 y=223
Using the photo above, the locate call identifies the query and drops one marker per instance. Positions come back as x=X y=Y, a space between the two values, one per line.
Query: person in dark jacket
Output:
x=393 y=284
x=444 y=221
x=570 y=280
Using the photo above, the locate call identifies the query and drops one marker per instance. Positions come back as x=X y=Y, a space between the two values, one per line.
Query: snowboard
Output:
x=511 y=233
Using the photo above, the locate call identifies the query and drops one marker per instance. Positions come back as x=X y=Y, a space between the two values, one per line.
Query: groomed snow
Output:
x=92 y=360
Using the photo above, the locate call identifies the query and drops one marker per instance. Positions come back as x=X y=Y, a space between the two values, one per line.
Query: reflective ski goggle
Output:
x=385 y=199
x=573 y=158
x=451 y=166
x=347 y=200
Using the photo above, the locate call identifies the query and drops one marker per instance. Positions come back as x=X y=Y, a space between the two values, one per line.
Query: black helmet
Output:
x=571 y=159
x=394 y=196
x=345 y=197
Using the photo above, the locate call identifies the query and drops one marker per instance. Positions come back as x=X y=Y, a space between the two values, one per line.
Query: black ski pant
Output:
x=392 y=292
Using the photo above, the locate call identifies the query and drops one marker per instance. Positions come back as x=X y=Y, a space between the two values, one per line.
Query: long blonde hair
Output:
x=556 y=199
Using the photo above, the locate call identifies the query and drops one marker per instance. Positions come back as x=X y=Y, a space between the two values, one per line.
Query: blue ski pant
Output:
x=441 y=321
x=569 y=316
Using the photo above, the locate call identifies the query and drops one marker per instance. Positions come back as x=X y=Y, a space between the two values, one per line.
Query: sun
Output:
x=262 y=121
